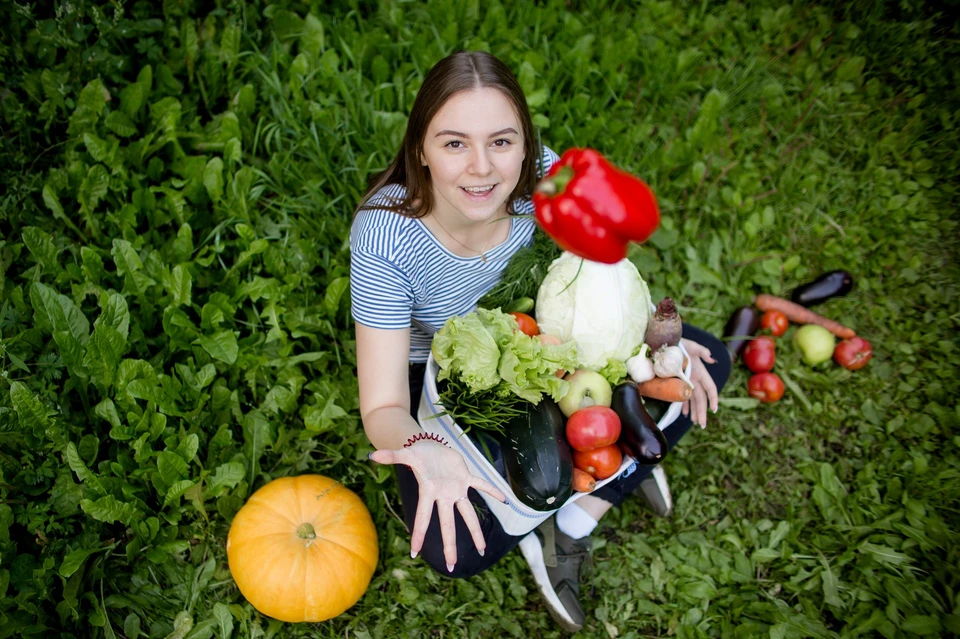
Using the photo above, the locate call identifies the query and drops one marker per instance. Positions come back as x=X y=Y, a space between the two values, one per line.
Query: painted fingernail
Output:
x=413 y=554
x=482 y=551
x=449 y=567
x=369 y=455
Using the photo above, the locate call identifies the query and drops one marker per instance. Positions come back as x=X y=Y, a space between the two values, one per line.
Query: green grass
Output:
x=781 y=142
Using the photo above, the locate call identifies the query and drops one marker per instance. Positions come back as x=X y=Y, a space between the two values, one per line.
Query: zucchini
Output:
x=537 y=457
x=519 y=305
x=656 y=408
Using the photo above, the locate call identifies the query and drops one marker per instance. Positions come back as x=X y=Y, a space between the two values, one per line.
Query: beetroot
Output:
x=664 y=328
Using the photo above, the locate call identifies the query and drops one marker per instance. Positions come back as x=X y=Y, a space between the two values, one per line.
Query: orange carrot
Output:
x=802 y=315
x=583 y=482
x=669 y=389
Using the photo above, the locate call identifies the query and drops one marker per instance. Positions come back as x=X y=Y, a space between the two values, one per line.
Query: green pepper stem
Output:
x=306 y=531
x=556 y=183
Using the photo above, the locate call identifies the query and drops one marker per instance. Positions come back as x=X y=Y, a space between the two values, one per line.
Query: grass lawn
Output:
x=179 y=179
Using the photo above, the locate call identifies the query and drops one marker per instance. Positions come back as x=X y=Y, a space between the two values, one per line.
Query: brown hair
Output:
x=460 y=71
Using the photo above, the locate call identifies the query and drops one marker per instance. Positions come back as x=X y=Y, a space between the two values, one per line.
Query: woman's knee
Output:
x=468 y=564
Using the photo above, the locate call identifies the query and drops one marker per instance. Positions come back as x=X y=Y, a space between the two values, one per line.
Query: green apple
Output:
x=588 y=388
x=815 y=343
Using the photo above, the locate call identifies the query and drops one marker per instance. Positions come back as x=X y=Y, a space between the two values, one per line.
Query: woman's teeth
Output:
x=478 y=190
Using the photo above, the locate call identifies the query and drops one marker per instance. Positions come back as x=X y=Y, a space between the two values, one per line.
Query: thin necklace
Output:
x=483 y=256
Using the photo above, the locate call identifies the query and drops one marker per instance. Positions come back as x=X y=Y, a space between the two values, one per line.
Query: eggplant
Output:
x=825 y=287
x=744 y=323
x=640 y=437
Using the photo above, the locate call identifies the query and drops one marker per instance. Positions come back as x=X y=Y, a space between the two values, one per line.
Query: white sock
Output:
x=575 y=522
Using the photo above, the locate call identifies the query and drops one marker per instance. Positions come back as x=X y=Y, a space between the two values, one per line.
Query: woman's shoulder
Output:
x=524 y=206
x=379 y=229
x=548 y=157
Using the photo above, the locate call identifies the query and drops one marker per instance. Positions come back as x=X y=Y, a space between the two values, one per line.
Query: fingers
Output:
x=389 y=457
x=700 y=406
x=711 y=388
x=686 y=408
x=705 y=383
x=487 y=487
x=473 y=524
x=701 y=351
x=448 y=532
x=420 y=522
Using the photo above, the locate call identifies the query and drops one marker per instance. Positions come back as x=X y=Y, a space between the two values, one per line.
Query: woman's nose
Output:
x=480 y=163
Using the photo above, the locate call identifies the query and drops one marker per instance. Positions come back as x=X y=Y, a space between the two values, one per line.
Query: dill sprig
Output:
x=489 y=410
x=524 y=273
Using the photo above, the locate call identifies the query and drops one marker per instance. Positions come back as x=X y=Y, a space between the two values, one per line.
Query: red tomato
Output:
x=528 y=325
x=767 y=387
x=599 y=463
x=593 y=427
x=853 y=354
x=760 y=354
x=776 y=322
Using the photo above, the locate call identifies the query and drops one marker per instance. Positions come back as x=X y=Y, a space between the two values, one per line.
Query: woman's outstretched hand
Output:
x=444 y=479
x=704 y=388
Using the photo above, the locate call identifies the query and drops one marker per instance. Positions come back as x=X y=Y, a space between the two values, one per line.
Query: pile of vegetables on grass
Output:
x=815 y=339
x=564 y=384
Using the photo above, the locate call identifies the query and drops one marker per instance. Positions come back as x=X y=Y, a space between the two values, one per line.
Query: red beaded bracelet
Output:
x=423 y=436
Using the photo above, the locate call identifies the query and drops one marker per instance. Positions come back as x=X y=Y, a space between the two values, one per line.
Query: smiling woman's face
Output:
x=474 y=150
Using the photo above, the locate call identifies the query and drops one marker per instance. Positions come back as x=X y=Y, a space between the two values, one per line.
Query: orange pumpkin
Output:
x=302 y=549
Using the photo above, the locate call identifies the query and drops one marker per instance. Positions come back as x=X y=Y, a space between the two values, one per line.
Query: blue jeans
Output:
x=499 y=543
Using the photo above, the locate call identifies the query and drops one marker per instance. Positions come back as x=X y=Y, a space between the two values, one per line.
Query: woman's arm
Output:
x=441 y=472
x=382 y=371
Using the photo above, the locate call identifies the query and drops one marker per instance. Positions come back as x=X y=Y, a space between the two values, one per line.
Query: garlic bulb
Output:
x=639 y=367
x=668 y=362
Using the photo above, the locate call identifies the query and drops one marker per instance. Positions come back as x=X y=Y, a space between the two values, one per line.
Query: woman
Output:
x=431 y=236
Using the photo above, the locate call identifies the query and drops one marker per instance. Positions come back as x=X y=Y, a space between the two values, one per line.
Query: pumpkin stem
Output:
x=306 y=531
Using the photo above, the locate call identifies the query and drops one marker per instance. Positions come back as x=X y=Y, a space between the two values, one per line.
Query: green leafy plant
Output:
x=174 y=303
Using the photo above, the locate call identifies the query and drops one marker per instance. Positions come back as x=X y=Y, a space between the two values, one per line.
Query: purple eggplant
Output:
x=825 y=287
x=742 y=325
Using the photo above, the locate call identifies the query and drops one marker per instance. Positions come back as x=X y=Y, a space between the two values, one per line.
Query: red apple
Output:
x=853 y=354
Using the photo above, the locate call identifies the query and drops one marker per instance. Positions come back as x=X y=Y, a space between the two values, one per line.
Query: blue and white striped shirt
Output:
x=402 y=276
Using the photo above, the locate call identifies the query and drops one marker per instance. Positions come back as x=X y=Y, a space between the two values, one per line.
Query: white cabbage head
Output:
x=604 y=307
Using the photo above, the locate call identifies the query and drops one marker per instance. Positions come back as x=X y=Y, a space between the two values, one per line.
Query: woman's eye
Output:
x=504 y=141
x=452 y=142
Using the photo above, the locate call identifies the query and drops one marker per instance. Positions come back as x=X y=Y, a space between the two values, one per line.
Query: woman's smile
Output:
x=479 y=193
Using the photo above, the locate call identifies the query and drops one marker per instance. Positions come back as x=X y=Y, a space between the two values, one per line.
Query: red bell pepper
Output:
x=593 y=209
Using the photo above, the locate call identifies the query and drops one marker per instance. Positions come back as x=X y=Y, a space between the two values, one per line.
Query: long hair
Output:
x=461 y=71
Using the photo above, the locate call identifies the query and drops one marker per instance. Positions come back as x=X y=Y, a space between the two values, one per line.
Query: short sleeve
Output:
x=381 y=295
x=547 y=160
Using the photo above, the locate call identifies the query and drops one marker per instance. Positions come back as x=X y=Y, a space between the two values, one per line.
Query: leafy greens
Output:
x=486 y=355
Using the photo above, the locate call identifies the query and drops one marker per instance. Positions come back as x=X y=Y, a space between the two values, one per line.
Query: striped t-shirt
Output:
x=402 y=276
